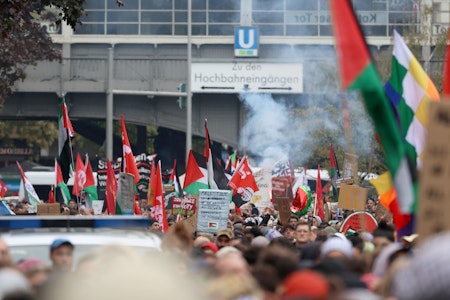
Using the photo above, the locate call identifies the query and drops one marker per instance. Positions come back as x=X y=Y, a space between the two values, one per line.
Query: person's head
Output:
x=383 y=236
x=370 y=204
x=302 y=232
x=293 y=219
x=72 y=204
x=337 y=246
x=61 y=255
x=224 y=237
x=153 y=224
x=35 y=270
x=289 y=232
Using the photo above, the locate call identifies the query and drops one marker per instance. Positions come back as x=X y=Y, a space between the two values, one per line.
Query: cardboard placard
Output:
x=352 y=197
x=284 y=208
x=281 y=186
x=48 y=209
x=434 y=205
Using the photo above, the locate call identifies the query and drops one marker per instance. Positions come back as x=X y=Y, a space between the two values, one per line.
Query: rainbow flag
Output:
x=358 y=73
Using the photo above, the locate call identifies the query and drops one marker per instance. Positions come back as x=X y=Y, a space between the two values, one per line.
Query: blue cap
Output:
x=59 y=242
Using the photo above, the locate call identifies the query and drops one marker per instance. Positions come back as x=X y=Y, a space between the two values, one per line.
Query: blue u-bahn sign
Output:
x=246 y=41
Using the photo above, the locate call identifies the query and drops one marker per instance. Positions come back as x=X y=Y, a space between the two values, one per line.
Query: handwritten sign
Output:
x=213 y=210
x=184 y=206
x=352 y=197
x=434 y=206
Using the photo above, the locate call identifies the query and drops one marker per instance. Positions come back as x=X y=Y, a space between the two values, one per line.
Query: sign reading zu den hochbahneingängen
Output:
x=247 y=77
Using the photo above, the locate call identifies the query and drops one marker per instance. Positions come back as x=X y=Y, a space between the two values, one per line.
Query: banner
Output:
x=184 y=206
x=143 y=163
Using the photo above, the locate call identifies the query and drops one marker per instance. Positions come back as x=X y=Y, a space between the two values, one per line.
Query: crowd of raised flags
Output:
x=398 y=110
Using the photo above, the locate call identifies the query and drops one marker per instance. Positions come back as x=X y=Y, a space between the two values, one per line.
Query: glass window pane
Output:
x=93 y=16
x=199 y=16
x=220 y=17
x=267 y=5
x=122 y=28
x=271 y=30
x=301 y=4
x=156 y=4
x=127 y=4
x=326 y=30
x=122 y=16
x=221 y=30
x=94 y=4
x=301 y=30
x=181 y=16
x=180 y=4
x=198 y=4
x=224 y=4
x=374 y=30
x=199 y=29
x=160 y=16
x=268 y=17
x=156 y=29
x=90 y=29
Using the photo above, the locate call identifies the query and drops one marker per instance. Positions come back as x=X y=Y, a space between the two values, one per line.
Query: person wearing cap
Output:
x=224 y=237
x=61 y=255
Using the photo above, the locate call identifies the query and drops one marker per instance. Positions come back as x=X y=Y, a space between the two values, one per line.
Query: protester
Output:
x=5 y=255
x=36 y=272
x=302 y=234
x=224 y=237
x=61 y=255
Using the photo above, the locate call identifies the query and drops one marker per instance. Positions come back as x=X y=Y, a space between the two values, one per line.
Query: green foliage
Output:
x=37 y=134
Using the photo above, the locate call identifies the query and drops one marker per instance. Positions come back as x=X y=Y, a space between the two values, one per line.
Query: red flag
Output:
x=446 y=75
x=3 y=189
x=319 y=196
x=151 y=184
x=137 y=210
x=111 y=189
x=243 y=182
x=158 y=212
x=207 y=147
x=80 y=177
x=51 y=195
x=128 y=157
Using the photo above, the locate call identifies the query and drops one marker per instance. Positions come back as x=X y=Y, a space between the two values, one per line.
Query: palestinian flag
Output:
x=174 y=179
x=65 y=135
x=61 y=186
x=31 y=196
x=90 y=188
x=196 y=176
x=358 y=73
x=209 y=159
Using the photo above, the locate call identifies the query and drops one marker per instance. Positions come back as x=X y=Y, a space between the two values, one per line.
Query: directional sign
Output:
x=247 y=77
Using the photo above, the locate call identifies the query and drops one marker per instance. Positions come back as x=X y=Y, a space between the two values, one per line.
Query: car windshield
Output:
x=41 y=252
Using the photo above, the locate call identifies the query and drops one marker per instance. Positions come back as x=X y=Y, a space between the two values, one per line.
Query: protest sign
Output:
x=184 y=205
x=125 y=193
x=360 y=220
x=213 y=210
x=352 y=197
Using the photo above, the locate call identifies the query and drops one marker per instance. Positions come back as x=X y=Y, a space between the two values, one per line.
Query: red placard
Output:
x=359 y=220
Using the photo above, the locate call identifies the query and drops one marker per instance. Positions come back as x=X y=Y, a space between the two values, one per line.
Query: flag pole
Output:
x=73 y=164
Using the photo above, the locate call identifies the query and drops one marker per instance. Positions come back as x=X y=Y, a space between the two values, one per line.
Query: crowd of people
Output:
x=255 y=257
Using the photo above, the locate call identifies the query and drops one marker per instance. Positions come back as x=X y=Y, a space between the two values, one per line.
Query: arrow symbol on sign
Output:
x=275 y=88
x=217 y=88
